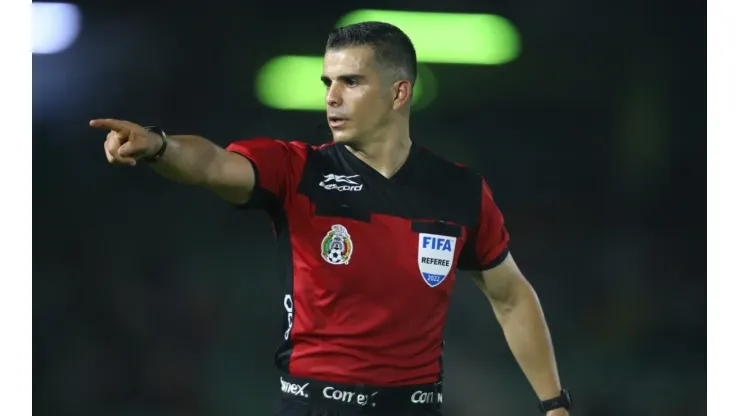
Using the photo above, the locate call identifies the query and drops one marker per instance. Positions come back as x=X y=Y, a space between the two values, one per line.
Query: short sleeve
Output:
x=277 y=166
x=487 y=244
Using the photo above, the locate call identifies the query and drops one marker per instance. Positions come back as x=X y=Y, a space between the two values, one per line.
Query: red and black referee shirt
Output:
x=369 y=262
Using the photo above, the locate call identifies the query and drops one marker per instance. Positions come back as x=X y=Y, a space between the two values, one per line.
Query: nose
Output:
x=333 y=96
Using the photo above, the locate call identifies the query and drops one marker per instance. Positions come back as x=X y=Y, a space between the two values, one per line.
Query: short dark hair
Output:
x=393 y=48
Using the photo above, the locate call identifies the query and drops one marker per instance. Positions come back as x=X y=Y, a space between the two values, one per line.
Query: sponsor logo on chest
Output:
x=341 y=183
x=436 y=255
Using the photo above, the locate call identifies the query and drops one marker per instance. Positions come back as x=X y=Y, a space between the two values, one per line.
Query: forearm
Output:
x=187 y=159
x=526 y=332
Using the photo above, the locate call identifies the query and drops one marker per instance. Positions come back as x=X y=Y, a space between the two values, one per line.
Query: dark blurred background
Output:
x=156 y=299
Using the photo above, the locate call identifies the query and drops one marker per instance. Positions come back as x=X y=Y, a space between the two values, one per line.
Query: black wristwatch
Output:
x=563 y=401
x=155 y=158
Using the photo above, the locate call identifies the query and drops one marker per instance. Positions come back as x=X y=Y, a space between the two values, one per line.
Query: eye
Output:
x=352 y=82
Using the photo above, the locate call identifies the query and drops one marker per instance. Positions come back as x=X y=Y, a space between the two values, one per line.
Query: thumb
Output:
x=129 y=149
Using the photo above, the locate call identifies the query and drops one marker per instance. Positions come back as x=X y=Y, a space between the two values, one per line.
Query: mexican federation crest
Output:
x=336 y=247
x=436 y=257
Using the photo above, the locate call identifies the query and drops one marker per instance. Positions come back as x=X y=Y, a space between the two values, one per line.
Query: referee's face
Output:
x=358 y=104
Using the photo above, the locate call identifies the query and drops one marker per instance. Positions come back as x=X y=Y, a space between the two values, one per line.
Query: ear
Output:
x=401 y=94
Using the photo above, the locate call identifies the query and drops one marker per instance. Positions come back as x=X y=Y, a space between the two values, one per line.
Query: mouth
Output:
x=336 y=121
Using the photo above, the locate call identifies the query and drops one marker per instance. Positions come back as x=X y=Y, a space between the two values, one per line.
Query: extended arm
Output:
x=191 y=160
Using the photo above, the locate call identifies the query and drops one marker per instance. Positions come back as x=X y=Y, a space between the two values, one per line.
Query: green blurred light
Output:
x=425 y=90
x=453 y=38
x=292 y=82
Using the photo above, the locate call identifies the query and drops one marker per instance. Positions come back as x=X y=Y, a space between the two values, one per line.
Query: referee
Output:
x=364 y=315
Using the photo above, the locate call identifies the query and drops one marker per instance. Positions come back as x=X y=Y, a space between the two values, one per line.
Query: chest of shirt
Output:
x=355 y=236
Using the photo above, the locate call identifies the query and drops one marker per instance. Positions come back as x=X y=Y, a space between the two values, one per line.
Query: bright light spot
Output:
x=55 y=26
x=452 y=38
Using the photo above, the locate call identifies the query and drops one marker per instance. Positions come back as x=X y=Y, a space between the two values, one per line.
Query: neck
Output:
x=385 y=154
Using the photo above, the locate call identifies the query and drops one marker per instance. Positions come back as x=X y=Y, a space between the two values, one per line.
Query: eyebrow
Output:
x=345 y=77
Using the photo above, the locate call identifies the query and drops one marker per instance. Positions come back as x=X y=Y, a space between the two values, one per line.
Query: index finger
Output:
x=109 y=124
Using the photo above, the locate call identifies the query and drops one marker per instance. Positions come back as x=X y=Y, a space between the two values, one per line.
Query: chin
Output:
x=343 y=137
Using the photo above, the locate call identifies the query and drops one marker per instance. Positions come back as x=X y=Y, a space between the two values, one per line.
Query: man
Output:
x=372 y=227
